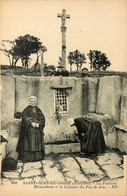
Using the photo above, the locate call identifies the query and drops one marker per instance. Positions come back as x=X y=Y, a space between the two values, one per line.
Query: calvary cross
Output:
x=63 y=17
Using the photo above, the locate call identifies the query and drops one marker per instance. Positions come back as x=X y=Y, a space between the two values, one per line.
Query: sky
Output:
x=93 y=25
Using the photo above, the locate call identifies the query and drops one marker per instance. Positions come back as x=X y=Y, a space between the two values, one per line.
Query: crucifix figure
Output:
x=63 y=17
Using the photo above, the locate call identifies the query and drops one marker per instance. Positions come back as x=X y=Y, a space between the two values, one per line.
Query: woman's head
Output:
x=33 y=100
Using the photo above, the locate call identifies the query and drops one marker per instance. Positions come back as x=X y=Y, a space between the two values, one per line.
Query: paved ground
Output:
x=60 y=168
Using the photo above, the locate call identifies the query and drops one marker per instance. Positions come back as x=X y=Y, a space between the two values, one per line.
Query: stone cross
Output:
x=63 y=17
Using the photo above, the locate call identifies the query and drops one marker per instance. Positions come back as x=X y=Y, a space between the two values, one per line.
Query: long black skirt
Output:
x=29 y=156
x=94 y=141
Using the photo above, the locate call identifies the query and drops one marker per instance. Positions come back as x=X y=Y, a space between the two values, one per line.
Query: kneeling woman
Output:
x=30 y=146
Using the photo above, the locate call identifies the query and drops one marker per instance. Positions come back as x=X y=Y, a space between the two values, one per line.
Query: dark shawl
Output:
x=82 y=126
x=94 y=140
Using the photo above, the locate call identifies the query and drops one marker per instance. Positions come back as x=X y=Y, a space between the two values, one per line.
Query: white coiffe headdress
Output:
x=33 y=97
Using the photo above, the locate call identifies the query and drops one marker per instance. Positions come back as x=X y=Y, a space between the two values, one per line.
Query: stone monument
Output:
x=63 y=17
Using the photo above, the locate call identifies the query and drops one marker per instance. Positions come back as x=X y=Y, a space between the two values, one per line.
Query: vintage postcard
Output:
x=63 y=97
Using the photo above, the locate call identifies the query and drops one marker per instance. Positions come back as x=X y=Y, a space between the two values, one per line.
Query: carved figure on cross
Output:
x=63 y=17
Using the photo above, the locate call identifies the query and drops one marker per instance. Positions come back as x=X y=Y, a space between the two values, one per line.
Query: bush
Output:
x=5 y=67
x=62 y=73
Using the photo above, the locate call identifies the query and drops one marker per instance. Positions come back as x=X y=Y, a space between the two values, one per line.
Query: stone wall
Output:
x=111 y=90
x=90 y=91
x=15 y=98
x=7 y=98
x=123 y=112
x=105 y=95
x=41 y=88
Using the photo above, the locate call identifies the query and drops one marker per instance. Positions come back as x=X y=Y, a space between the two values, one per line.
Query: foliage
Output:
x=62 y=73
x=49 y=67
x=52 y=67
x=60 y=61
x=77 y=58
x=8 y=50
x=25 y=46
x=22 y=48
x=98 y=60
x=70 y=60
x=28 y=73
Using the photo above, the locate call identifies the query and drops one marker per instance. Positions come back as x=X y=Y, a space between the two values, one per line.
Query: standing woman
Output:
x=30 y=146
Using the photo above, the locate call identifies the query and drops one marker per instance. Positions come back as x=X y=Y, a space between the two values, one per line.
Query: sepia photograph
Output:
x=63 y=87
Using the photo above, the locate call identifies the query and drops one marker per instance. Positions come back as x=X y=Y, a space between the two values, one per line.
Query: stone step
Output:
x=62 y=148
